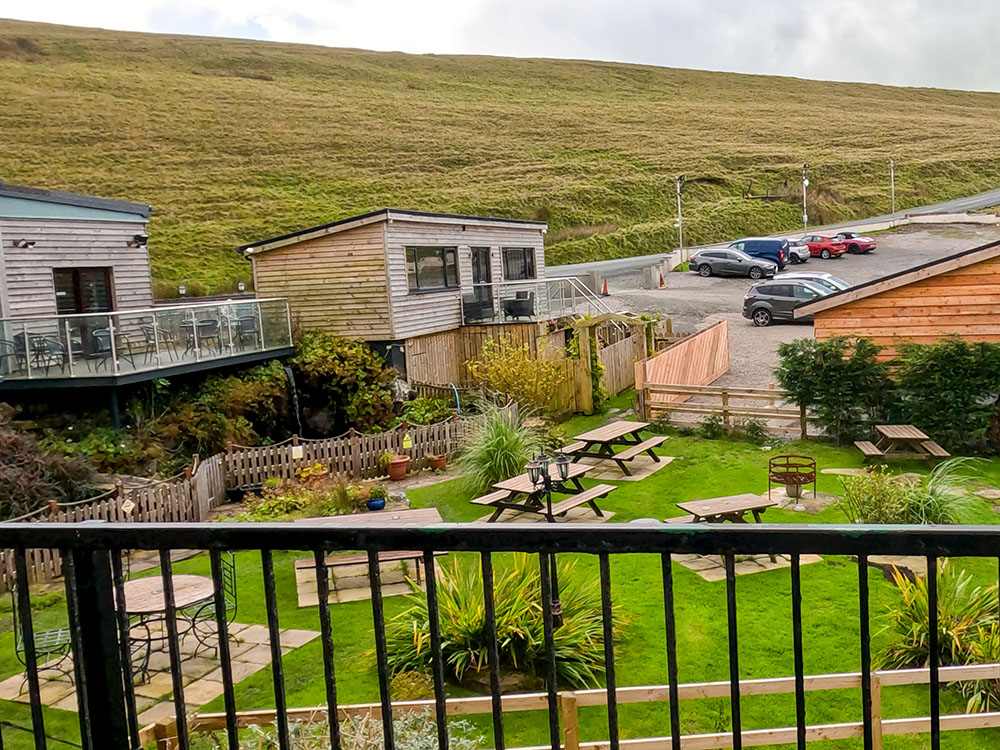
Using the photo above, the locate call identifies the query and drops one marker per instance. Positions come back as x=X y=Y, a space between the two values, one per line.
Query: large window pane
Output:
x=518 y=263
x=431 y=268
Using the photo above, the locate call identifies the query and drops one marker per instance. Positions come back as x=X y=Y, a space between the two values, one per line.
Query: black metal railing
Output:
x=92 y=554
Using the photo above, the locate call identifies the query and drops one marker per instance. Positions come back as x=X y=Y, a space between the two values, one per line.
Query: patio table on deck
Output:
x=601 y=442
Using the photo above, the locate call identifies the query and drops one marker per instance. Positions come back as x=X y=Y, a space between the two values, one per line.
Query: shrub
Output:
x=755 y=431
x=422 y=410
x=950 y=388
x=517 y=592
x=840 y=380
x=881 y=497
x=342 y=383
x=983 y=695
x=411 y=686
x=30 y=478
x=964 y=611
x=510 y=369
x=711 y=427
x=411 y=731
x=497 y=449
x=311 y=497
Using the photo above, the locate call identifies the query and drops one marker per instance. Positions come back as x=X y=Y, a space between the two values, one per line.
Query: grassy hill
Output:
x=234 y=141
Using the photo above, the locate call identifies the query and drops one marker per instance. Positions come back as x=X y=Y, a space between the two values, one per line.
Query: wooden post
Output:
x=231 y=479
x=569 y=718
x=876 y=683
x=725 y=408
x=352 y=438
x=803 y=423
x=53 y=508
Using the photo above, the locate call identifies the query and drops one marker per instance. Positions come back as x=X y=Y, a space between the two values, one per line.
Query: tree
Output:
x=840 y=380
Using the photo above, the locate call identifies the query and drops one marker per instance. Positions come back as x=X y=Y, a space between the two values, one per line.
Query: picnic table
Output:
x=602 y=441
x=520 y=494
x=731 y=508
x=900 y=441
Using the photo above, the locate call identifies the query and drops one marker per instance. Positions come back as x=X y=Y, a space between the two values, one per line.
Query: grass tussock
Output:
x=233 y=141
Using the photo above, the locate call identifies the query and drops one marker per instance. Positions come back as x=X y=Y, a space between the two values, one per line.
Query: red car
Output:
x=824 y=247
x=856 y=243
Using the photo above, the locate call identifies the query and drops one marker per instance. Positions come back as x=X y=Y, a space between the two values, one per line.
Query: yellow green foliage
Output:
x=509 y=368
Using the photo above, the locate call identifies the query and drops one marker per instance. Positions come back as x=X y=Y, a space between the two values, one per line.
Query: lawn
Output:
x=234 y=141
x=702 y=469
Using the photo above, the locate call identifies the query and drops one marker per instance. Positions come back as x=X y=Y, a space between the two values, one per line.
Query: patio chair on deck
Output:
x=157 y=337
x=209 y=336
x=522 y=306
x=12 y=359
x=101 y=347
x=247 y=331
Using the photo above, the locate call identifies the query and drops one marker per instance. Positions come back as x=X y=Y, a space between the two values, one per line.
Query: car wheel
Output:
x=852 y=249
x=705 y=270
x=824 y=254
x=762 y=317
x=795 y=260
x=755 y=272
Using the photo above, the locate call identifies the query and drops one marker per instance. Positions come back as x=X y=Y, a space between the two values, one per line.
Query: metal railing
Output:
x=94 y=345
x=528 y=301
x=102 y=661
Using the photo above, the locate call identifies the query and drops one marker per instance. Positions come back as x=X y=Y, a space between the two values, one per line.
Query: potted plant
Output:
x=437 y=461
x=376 y=498
x=396 y=464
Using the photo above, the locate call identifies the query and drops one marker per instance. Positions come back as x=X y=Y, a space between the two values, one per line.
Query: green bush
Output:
x=711 y=427
x=423 y=410
x=284 y=499
x=949 y=389
x=510 y=368
x=840 y=380
x=498 y=448
x=579 y=642
x=342 y=384
x=882 y=497
x=964 y=611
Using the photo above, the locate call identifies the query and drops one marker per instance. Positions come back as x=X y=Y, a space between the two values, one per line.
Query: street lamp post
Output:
x=805 y=184
x=680 y=218
x=892 y=187
x=540 y=476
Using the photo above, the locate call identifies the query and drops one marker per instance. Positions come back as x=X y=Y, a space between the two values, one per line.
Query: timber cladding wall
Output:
x=965 y=302
x=335 y=283
x=699 y=359
x=70 y=243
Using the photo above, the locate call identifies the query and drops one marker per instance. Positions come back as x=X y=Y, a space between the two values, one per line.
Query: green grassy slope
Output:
x=233 y=141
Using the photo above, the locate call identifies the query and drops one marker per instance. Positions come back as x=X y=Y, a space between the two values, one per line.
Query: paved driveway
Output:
x=693 y=302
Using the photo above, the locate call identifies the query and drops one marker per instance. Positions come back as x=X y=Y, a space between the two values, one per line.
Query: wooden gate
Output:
x=618 y=361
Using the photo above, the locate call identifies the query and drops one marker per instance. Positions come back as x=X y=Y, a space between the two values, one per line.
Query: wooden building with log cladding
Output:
x=957 y=295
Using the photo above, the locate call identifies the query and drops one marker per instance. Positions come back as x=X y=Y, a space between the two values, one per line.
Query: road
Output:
x=617 y=265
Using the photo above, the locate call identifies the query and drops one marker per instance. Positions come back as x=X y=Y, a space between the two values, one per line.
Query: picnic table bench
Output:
x=900 y=441
x=731 y=508
x=520 y=494
x=602 y=441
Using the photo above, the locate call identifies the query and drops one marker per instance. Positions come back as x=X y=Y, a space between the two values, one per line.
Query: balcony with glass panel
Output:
x=125 y=346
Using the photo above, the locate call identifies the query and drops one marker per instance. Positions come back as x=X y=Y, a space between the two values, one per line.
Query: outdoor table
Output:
x=520 y=494
x=731 y=508
x=601 y=442
x=144 y=596
x=906 y=441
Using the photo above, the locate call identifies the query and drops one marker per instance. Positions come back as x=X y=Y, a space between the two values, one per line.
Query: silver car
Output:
x=729 y=262
x=798 y=251
x=819 y=278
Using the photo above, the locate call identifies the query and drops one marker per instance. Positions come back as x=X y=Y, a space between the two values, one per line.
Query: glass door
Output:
x=482 y=274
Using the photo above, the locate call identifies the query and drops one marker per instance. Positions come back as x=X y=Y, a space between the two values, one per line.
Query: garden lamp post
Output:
x=538 y=473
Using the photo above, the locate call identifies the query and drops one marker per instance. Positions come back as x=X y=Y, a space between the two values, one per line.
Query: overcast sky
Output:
x=948 y=44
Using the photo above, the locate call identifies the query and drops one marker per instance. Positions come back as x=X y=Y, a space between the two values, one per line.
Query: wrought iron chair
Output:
x=46 y=351
x=522 y=306
x=202 y=615
x=52 y=647
x=247 y=331
x=209 y=336
x=153 y=337
x=101 y=348
x=12 y=359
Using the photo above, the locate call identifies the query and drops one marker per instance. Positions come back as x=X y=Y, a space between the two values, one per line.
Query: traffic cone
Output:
x=604 y=289
x=662 y=285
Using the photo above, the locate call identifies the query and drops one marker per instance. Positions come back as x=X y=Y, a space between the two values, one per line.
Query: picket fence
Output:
x=191 y=495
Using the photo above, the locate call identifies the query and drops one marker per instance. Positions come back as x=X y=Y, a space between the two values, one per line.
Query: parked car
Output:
x=820 y=278
x=769 y=248
x=730 y=263
x=772 y=300
x=798 y=252
x=823 y=246
x=856 y=243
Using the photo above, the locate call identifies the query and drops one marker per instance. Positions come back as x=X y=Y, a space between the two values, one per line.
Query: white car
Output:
x=818 y=278
x=798 y=252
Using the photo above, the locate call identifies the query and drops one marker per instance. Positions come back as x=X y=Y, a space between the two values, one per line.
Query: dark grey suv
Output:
x=776 y=299
x=730 y=263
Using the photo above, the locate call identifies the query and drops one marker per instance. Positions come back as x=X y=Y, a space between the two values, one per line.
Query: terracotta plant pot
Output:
x=438 y=463
x=398 y=466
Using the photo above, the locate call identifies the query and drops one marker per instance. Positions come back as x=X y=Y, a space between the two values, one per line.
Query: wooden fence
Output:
x=699 y=359
x=164 y=732
x=619 y=360
x=189 y=496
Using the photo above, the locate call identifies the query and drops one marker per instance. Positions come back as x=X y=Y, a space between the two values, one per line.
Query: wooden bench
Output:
x=586 y=497
x=491 y=498
x=868 y=448
x=573 y=447
x=680 y=519
x=646 y=446
x=934 y=449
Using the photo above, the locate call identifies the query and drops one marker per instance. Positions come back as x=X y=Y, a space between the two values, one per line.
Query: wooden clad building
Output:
x=63 y=253
x=956 y=295
x=392 y=276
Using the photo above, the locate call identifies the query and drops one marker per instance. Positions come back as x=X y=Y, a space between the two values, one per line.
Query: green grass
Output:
x=235 y=141
x=701 y=469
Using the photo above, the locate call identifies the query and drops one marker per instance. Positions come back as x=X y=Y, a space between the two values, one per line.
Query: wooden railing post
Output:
x=569 y=718
x=725 y=408
x=876 y=684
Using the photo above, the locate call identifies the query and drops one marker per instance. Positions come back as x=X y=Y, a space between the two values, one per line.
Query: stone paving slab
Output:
x=712 y=567
x=641 y=466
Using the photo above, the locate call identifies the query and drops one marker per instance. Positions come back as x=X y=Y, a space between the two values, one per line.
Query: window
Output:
x=82 y=290
x=518 y=263
x=781 y=290
x=714 y=254
x=804 y=292
x=431 y=268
